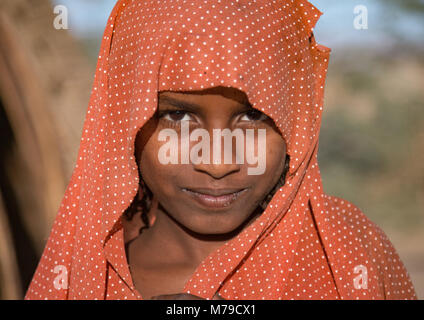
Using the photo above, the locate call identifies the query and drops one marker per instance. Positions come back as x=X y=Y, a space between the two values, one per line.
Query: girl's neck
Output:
x=172 y=243
x=167 y=242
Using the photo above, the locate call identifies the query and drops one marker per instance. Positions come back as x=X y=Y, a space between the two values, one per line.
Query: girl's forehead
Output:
x=227 y=92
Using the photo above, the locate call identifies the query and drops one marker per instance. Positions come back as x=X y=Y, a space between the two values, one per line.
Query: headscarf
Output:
x=305 y=245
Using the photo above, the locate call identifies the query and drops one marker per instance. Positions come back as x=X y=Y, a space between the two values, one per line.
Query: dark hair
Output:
x=278 y=185
x=143 y=205
x=140 y=205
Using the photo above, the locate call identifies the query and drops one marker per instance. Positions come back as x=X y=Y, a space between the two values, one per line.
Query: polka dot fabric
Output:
x=306 y=244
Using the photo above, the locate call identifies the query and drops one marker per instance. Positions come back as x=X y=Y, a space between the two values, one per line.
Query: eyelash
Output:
x=169 y=122
x=168 y=113
x=164 y=113
x=262 y=116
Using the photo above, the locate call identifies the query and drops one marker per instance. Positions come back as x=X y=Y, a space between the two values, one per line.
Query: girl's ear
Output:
x=151 y=215
x=132 y=223
x=148 y=204
x=140 y=192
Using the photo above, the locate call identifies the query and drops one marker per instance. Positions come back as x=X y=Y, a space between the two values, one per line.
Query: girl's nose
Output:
x=224 y=157
x=217 y=170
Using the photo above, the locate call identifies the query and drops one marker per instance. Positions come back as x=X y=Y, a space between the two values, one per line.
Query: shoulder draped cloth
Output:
x=305 y=245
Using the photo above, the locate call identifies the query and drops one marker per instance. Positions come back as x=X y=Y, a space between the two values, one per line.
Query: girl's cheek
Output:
x=151 y=149
x=276 y=150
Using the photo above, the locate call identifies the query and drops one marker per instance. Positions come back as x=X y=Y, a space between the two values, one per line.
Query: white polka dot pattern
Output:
x=306 y=244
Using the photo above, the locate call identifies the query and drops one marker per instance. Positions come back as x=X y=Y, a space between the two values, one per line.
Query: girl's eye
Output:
x=176 y=116
x=254 y=115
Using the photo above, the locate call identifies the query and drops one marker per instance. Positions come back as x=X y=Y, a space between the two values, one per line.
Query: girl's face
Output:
x=215 y=197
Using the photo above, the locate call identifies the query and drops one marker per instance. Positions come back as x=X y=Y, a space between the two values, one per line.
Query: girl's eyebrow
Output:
x=188 y=105
x=179 y=103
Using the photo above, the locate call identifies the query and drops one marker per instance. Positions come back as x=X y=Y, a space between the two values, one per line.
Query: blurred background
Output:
x=372 y=137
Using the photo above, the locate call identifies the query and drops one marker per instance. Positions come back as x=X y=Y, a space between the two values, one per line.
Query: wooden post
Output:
x=45 y=80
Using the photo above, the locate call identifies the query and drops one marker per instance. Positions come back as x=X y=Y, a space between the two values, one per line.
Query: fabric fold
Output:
x=305 y=245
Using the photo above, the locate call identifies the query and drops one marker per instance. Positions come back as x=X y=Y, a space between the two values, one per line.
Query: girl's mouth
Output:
x=215 y=198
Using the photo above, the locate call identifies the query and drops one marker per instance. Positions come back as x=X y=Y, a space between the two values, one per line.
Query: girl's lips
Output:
x=213 y=198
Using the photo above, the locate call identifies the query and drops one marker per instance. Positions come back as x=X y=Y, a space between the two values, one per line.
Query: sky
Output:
x=87 y=18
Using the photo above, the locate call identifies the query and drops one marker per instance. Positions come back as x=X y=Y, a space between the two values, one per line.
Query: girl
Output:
x=155 y=210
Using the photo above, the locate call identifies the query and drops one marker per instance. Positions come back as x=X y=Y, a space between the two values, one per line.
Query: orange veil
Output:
x=305 y=245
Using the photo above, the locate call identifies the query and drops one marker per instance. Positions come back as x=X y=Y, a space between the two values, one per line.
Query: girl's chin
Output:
x=212 y=224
